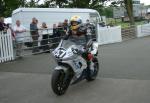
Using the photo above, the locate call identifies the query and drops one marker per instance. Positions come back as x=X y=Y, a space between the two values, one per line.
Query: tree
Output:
x=93 y=4
x=31 y=3
x=60 y=3
x=7 y=6
x=1 y=7
x=129 y=8
x=108 y=12
x=128 y=5
x=54 y=3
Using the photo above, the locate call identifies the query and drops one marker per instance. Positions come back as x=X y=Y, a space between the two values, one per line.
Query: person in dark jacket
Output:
x=60 y=33
x=60 y=30
x=65 y=26
x=54 y=37
x=3 y=26
x=34 y=34
x=54 y=29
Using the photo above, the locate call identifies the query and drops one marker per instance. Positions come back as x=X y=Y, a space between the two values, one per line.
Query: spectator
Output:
x=60 y=30
x=3 y=26
x=45 y=37
x=54 y=36
x=65 y=25
x=19 y=37
x=58 y=34
x=54 y=29
x=34 y=34
x=12 y=32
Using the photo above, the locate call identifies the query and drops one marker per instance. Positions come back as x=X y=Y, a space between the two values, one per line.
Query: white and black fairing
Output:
x=69 y=54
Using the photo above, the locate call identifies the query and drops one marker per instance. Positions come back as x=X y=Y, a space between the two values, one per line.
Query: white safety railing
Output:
x=6 y=47
x=108 y=35
x=143 y=30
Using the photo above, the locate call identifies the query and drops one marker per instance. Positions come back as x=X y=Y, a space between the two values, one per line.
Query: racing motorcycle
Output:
x=73 y=65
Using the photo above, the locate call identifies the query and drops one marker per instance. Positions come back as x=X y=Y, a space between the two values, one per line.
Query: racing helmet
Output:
x=75 y=21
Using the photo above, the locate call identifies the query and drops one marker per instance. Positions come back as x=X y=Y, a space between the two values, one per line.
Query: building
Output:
x=139 y=10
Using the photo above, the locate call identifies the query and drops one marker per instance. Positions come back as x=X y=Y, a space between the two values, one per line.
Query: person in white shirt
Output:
x=45 y=38
x=19 y=37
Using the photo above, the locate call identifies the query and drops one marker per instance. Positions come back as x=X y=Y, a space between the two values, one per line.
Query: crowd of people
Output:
x=58 y=31
x=48 y=41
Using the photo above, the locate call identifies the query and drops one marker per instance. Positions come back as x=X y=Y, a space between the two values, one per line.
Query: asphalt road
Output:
x=124 y=77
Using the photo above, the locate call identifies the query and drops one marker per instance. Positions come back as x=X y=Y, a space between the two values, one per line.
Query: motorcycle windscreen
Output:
x=67 y=43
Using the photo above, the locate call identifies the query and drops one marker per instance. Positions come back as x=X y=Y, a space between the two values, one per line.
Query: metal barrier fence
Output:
x=44 y=41
x=28 y=44
x=35 y=44
x=128 y=32
x=6 y=46
x=143 y=30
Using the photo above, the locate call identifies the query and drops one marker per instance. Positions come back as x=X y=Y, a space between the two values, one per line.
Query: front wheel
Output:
x=93 y=74
x=59 y=82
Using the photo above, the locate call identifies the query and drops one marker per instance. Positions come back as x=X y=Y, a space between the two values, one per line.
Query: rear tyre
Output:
x=92 y=76
x=60 y=82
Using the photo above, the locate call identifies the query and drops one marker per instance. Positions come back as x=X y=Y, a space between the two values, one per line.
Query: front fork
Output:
x=68 y=73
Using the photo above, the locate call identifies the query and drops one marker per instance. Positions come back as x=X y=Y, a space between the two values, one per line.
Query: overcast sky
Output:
x=146 y=2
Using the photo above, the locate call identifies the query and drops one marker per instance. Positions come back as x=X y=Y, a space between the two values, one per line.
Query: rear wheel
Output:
x=93 y=74
x=60 y=82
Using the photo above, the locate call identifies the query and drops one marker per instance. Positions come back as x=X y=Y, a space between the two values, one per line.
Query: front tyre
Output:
x=92 y=76
x=59 y=82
